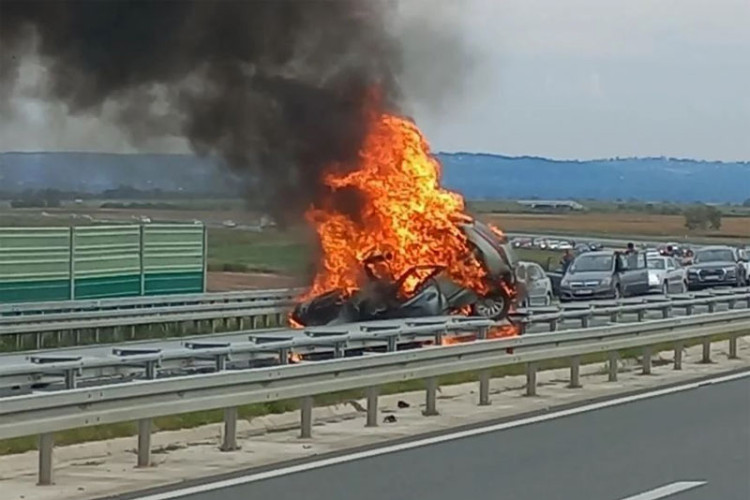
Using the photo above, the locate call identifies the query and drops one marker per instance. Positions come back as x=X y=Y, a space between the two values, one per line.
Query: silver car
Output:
x=665 y=274
x=534 y=287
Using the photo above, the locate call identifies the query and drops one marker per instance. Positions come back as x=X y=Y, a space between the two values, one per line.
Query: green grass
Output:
x=248 y=412
x=270 y=251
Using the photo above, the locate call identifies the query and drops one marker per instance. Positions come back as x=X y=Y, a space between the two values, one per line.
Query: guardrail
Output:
x=259 y=313
x=46 y=413
x=72 y=306
x=244 y=348
x=270 y=307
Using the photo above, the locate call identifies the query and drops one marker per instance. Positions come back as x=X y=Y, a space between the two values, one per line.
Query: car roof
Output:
x=716 y=247
x=609 y=253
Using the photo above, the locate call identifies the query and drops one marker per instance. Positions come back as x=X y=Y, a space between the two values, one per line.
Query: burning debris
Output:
x=407 y=247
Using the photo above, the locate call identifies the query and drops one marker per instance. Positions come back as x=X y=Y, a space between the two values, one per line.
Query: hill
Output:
x=477 y=176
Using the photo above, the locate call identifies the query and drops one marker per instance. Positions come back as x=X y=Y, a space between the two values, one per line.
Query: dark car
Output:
x=605 y=275
x=716 y=266
x=436 y=295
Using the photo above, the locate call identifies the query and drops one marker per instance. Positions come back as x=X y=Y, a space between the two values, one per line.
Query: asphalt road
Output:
x=607 y=454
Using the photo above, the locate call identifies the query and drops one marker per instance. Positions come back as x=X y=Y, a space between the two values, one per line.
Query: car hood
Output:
x=587 y=276
x=712 y=265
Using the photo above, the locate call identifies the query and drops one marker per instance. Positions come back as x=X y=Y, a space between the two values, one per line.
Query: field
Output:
x=733 y=229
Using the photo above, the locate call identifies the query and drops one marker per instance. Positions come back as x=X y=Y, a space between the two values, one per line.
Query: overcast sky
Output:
x=557 y=78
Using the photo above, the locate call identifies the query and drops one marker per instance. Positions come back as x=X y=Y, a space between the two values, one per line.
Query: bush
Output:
x=702 y=217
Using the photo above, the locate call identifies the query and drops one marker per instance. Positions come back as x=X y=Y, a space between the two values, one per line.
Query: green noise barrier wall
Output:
x=48 y=263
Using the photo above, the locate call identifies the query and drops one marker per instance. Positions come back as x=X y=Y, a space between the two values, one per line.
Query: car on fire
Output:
x=435 y=295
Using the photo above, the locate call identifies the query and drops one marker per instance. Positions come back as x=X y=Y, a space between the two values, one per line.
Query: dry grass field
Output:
x=733 y=229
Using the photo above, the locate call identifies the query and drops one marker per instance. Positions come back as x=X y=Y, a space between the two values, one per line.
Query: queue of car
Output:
x=612 y=274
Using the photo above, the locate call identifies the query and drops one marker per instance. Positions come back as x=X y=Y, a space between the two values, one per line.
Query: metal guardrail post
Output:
x=46 y=447
x=575 y=372
x=689 y=310
x=72 y=263
x=372 y=406
x=229 y=441
x=484 y=388
x=531 y=379
x=641 y=314
x=392 y=345
x=482 y=333
x=204 y=251
x=666 y=312
x=613 y=357
x=553 y=324
x=712 y=307
x=144 y=442
x=430 y=409
x=70 y=378
x=646 y=363
x=585 y=320
x=306 y=410
x=678 y=356
x=141 y=260
x=733 y=346
x=706 y=358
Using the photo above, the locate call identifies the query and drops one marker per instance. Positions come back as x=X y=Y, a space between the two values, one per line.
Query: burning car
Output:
x=433 y=291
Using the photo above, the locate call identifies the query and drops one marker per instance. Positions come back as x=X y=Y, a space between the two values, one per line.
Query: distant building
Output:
x=552 y=205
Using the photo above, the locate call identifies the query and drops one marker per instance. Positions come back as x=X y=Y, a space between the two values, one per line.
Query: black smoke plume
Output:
x=274 y=88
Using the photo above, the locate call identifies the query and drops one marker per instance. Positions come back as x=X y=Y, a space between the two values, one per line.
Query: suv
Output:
x=605 y=275
x=715 y=266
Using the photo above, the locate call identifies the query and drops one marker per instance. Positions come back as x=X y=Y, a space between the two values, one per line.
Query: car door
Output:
x=641 y=277
x=635 y=275
x=673 y=274
x=625 y=274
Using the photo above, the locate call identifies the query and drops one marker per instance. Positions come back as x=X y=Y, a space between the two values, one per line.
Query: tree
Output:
x=701 y=217
x=713 y=215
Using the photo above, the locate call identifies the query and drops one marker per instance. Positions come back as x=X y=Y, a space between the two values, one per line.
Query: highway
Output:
x=694 y=443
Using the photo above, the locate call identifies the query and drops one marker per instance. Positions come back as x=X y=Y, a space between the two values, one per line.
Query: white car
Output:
x=665 y=274
x=745 y=256
x=535 y=288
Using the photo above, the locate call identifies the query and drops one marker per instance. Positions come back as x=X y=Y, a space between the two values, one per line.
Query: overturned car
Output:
x=436 y=294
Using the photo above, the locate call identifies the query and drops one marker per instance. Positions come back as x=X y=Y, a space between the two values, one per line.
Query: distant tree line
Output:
x=51 y=198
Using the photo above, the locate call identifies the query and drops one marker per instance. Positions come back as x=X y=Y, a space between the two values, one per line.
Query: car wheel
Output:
x=548 y=300
x=618 y=292
x=495 y=306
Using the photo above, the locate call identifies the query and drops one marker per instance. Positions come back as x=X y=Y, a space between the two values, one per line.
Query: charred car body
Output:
x=436 y=294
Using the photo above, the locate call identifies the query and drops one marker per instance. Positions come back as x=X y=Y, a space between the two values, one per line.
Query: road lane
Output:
x=612 y=453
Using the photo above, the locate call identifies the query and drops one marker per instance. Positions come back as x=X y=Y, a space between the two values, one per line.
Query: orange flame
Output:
x=405 y=214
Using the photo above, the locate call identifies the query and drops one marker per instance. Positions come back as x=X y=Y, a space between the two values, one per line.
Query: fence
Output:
x=52 y=263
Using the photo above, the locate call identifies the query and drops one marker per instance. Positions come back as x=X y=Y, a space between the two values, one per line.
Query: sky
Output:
x=556 y=78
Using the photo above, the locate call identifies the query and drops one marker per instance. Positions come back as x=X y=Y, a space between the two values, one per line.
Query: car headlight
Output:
x=730 y=270
x=605 y=282
x=653 y=279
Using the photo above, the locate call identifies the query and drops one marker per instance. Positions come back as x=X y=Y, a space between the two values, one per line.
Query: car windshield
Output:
x=715 y=255
x=587 y=263
x=656 y=263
